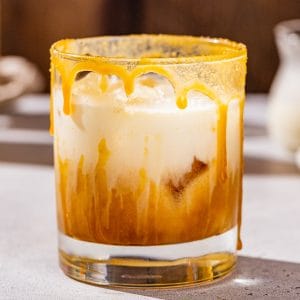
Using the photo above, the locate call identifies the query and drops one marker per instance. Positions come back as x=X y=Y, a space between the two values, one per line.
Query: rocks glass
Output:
x=148 y=134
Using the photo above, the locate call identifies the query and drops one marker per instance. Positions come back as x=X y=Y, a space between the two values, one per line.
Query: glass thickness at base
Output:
x=154 y=266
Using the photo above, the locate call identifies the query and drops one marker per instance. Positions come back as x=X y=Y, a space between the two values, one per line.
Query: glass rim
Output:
x=229 y=50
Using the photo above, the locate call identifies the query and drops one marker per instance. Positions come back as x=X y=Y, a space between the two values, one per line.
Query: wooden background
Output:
x=30 y=26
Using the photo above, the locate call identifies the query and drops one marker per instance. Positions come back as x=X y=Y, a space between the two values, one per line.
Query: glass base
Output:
x=148 y=266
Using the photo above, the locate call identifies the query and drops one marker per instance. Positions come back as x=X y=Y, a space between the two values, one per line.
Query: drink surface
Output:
x=138 y=170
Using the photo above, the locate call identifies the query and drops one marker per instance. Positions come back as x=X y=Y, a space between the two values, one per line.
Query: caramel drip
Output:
x=141 y=70
x=103 y=84
x=195 y=86
x=68 y=76
x=101 y=179
x=241 y=122
x=68 y=72
x=51 y=127
x=63 y=193
x=93 y=211
x=221 y=123
x=128 y=80
x=221 y=142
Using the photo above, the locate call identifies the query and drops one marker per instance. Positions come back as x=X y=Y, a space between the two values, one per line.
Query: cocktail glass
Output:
x=148 y=134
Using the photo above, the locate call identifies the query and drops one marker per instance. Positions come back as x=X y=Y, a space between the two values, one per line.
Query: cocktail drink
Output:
x=148 y=133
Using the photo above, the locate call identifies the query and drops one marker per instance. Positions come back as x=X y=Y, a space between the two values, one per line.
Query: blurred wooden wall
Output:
x=247 y=21
x=30 y=26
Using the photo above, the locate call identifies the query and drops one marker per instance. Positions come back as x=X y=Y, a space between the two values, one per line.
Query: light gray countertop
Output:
x=268 y=266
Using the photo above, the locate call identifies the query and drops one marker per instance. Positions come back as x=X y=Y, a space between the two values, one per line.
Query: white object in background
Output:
x=284 y=104
x=298 y=158
x=17 y=77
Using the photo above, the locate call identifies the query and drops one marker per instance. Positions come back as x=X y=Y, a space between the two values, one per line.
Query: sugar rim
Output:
x=234 y=50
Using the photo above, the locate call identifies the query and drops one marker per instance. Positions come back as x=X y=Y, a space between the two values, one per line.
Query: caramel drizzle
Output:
x=68 y=74
x=128 y=79
x=221 y=124
x=103 y=84
x=52 y=74
x=239 y=220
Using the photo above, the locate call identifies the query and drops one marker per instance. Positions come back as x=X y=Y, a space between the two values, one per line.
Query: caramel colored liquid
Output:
x=205 y=202
x=148 y=214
